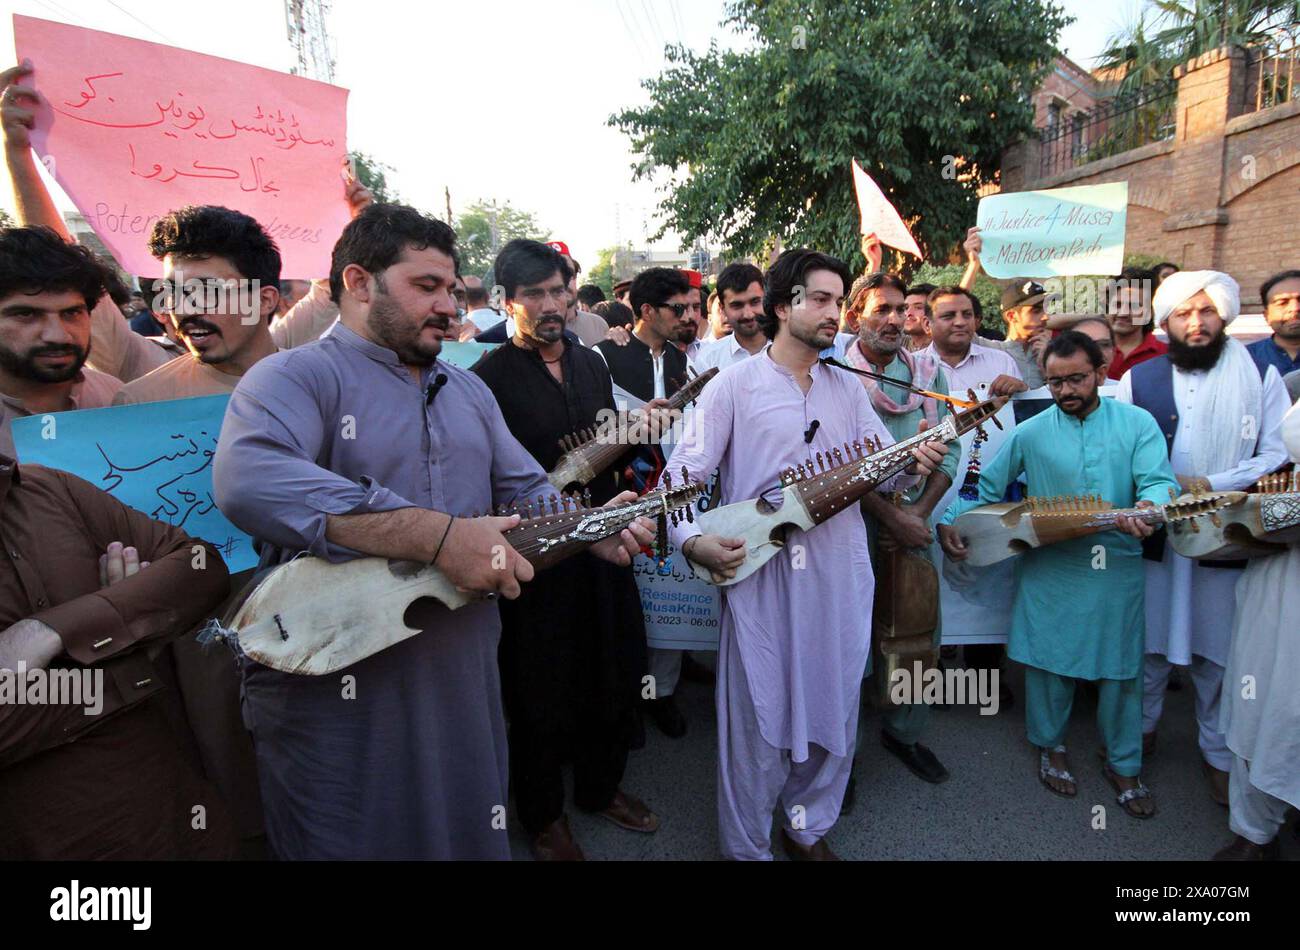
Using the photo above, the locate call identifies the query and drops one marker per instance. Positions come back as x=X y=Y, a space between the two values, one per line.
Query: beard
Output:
x=811 y=336
x=545 y=330
x=1078 y=406
x=878 y=343
x=1202 y=357
x=392 y=328
x=687 y=335
x=24 y=365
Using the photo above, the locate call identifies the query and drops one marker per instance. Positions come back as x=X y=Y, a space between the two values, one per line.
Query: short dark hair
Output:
x=789 y=271
x=376 y=238
x=525 y=262
x=654 y=285
x=117 y=291
x=1155 y=273
x=589 y=295
x=476 y=297
x=952 y=290
x=1071 y=342
x=212 y=231
x=614 y=313
x=737 y=277
x=36 y=260
x=922 y=289
x=1266 y=288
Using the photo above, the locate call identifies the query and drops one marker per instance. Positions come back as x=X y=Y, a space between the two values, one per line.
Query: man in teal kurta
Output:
x=1079 y=604
x=877 y=305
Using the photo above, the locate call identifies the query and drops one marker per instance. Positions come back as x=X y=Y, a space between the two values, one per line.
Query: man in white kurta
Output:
x=795 y=635
x=1261 y=702
x=1223 y=428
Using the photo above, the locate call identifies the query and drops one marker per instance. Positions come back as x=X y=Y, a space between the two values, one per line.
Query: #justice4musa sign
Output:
x=1054 y=233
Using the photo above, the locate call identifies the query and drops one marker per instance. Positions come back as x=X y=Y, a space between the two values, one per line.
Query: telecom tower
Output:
x=305 y=20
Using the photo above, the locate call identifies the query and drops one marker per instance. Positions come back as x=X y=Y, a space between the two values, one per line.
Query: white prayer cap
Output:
x=1178 y=288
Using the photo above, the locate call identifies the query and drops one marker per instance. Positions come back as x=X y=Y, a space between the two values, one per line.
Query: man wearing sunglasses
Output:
x=221 y=277
x=651 y=368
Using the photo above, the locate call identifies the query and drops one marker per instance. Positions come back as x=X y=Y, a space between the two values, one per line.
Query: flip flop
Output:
x=1046 y=770
x=1124 y=796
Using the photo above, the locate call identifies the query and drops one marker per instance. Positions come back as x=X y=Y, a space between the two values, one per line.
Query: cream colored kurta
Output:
x=1261 y=715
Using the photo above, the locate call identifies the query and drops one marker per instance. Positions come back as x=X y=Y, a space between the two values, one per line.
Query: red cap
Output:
x=559 y=246
x=694 y=276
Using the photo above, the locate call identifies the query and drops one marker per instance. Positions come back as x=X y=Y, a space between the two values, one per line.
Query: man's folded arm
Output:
x=186 y=578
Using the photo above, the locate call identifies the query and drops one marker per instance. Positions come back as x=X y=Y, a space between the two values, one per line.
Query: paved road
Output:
x=993 y=807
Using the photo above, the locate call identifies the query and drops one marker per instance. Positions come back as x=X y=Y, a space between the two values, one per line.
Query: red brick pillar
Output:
x=1210 y=91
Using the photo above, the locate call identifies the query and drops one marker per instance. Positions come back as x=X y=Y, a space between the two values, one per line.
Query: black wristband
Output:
x=446 y=531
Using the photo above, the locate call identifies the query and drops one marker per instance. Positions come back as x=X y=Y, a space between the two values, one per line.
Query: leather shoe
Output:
x=1243 y=849
x=556 y=843
x=1218 y=783
x=820 y=851
x=916 y=757
x=667 y=716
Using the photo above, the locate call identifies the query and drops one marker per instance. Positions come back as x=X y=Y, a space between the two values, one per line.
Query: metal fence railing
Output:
x=1271 y=73
x=1112 y=126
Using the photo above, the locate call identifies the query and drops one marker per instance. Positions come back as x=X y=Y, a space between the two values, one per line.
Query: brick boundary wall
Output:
x=1223 y=194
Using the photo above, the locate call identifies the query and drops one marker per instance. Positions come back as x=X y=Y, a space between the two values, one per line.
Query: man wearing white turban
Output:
x=1223 y=425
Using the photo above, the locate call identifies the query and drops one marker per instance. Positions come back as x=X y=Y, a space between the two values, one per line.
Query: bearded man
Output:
x=1222 y=425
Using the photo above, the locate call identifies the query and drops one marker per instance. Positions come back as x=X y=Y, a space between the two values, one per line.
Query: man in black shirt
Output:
x=573 y=645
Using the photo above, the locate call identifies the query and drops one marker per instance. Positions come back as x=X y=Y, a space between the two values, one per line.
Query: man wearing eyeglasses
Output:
x=651 y=368
x=1085 y=445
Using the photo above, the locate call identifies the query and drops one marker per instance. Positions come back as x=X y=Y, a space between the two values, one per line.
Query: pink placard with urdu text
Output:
x=133 y=130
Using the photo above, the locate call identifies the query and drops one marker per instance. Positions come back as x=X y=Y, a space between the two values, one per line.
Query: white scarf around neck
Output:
x=1228 y=427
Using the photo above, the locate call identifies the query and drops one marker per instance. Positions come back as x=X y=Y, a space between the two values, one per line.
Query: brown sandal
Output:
x=631 y=813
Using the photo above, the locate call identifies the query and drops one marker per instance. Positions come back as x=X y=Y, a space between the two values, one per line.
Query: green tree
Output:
x=374 y=175
x=756 y=144
x=602 y=274
x=5 y=220
x=475 y=229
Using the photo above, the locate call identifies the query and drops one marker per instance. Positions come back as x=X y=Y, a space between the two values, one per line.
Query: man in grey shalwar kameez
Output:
x=364 y=443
